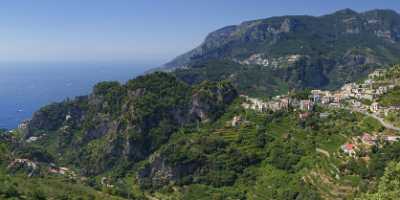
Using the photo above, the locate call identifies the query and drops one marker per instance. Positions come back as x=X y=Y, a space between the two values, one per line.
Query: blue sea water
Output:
x=25 y=87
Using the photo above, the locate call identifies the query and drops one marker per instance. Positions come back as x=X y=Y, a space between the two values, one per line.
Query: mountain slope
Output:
x=157 y=137
x=120 y=125
x=305 y=51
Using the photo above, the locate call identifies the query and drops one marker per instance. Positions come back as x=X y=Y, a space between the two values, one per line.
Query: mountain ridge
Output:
x=301 y=51
x=221 y=32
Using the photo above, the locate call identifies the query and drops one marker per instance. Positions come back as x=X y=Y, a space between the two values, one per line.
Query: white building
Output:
x=392 y=138
x=374 y=107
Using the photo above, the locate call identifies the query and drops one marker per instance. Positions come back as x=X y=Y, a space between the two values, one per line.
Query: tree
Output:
x=38 y=195
x=389 y=185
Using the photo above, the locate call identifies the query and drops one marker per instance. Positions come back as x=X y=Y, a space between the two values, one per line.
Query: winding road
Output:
x=384 y=124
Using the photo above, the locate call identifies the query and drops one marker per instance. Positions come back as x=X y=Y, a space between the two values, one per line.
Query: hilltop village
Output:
x=356 y=97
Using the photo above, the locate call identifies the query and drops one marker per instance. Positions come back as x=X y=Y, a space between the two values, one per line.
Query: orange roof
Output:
x=349 y=146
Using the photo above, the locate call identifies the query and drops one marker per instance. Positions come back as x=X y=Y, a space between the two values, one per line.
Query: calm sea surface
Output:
x=24 y=88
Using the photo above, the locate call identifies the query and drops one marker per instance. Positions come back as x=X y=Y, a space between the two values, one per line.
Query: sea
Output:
x=26 y=87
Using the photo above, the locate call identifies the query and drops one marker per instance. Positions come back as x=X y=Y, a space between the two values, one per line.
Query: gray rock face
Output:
x=204 y=110
x=266 y=35
x=160 y=173
x=286 y=26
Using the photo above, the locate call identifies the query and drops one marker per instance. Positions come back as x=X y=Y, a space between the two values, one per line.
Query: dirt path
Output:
x=323 y=152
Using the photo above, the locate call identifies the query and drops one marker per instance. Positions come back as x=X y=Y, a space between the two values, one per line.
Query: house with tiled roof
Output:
x=349 y=149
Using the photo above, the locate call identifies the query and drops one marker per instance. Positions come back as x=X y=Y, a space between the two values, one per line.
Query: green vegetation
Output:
x=254 y=80
x=19 y=187
x=394 y=118
x=382 y=157
x=388 y=187
x=173 y=136
x=109 y=132
x=392 y=98
x=329 y=51
x=267 y=156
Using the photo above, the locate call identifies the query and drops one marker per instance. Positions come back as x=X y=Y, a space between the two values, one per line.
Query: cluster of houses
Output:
x=263 y=60
x=262 y=106
x=350 y=95
x=326 y=97
x=106 y=182
x=355 y=93
x=367 y=141
x=365 y=90
x=352 y=91
x=277 y=103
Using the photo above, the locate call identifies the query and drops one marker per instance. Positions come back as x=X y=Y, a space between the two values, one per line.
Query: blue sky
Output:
x=136 y=30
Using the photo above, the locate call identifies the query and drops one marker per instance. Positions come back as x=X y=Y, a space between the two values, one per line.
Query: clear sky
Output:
x=136 y=30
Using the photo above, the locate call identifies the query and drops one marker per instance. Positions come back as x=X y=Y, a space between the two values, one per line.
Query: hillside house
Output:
x=369 y=82
x=391 y=138
x=381 y=90
x=348 y=87
x=349 y=149
x=306 y=105
x=284 y=103
x=334 y=105
x=303 y=116
x=32 y=139
x=377 y=73
x=324 y=115
x=355 y=103
x=368 y=139
x=326 y=99
x=24 y=124
x=374 y=107
x=255 y=104
x=236 y=120
x=61 y=170
x=337 y=98
x=274 y=105
x=316 y=98
x=365 y=96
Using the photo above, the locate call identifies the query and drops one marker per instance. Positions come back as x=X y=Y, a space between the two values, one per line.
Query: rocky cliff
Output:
x=118 y=125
